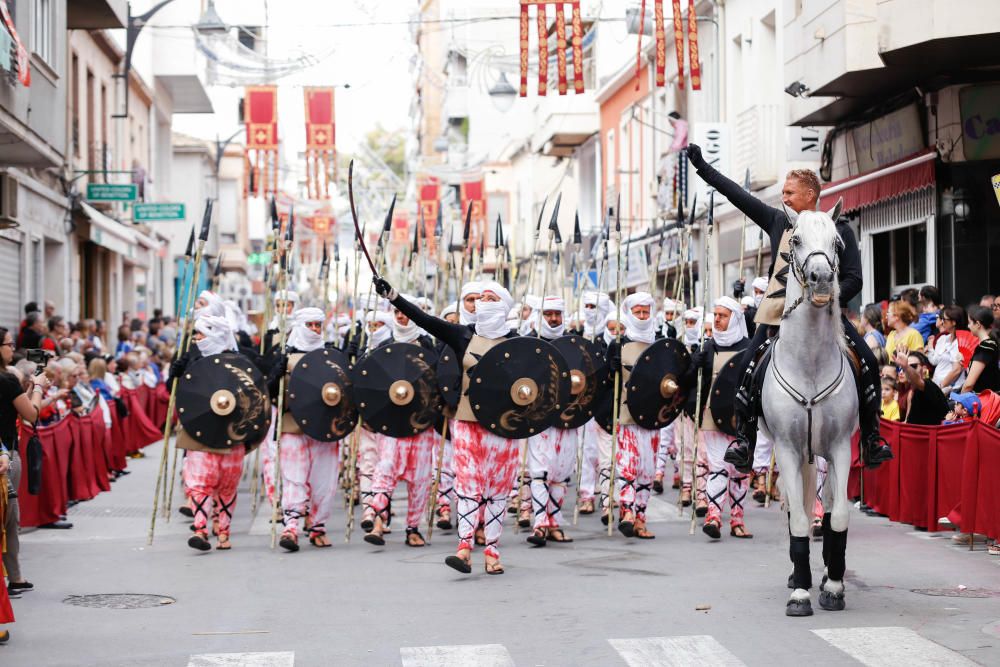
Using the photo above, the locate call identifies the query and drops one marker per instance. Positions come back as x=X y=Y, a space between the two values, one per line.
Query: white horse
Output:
x=810 y=405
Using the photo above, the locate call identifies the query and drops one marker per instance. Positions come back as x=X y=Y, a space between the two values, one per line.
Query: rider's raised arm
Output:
x=764 y=216
x=850 y=265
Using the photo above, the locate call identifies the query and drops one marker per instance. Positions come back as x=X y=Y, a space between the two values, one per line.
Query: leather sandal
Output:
x=414 y=538
x=374 y=536
x=224 y=543
x=444 y=518
x=556 y=534
x=686 y=497
x=289 y=542
x=641 y=532
x=199 y=541
x=320 y=540
x=493 y=565
x=626 y=525
x=587 y=506
x=740 y=531
x=712 y=528
x=461 y=561
x=524 y=517
x=537 y=537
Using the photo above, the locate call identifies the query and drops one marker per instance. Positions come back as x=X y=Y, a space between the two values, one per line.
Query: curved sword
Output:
x=354 y=214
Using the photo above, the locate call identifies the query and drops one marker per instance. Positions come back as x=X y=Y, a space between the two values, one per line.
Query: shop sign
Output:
x=804 y=144
x=714 y=141
x=157 y=211
x=980 y=108
x=888 y=139
x=112 y=192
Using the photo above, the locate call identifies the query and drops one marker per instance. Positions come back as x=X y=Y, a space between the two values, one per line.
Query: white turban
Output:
x=692 y=334
x=491 y=316
x=218 y=337
x=643 y=331
x=302 y=338
x=737 y=329
x=382 y=334
x=409 y=332
x=464 y=316
x=759 y=283
x=449 y=309
x=214 y=308
x=747 y=301
x=553 y=302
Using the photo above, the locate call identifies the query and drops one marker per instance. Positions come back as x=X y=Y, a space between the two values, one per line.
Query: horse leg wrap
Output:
x=837 y=564
x=798 y=551
x=827 y=542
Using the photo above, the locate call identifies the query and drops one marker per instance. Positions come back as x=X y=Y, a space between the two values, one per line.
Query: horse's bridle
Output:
x=797 y=270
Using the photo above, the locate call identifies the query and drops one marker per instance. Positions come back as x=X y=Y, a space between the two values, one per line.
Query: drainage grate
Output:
x=119 y=600
x=958 y=592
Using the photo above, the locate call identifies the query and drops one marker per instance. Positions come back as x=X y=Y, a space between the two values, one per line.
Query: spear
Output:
x=182 y=297
x=185 y=337
x=283 y=268
x=272 y=241
x=217 y=273
x=324 y=281
x=531 y=265
x=743 y=230
x=706 y=294
x=615 y=408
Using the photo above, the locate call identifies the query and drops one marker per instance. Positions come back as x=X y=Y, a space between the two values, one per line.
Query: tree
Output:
x=390 y=146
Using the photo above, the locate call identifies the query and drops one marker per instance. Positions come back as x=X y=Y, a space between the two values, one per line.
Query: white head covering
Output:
x=491 y=316
x=759 y=283
x=553 y=303
x=465 y=317
x=692 y=334
x=737 y=329
x=425 y=304
x=747 y=301
x=215 y=307
x=643 y=331
x=450 y=308
x=408 y=333
x=218 y=337
x=233 y=315
x=301 y=337
x=279 y=296
x=383 y=332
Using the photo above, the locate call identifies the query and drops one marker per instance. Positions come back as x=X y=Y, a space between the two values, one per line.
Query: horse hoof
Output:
x=799 y=608
x=831 y=601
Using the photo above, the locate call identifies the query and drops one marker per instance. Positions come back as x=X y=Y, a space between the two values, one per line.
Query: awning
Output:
x=108 y=232
x=907 y=175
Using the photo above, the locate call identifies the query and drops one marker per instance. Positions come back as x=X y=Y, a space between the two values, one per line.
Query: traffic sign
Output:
x=112 y=192
x=157 y=211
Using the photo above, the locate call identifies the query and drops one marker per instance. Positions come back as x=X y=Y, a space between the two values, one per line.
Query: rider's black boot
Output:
x=874 y=449
x=740 y=452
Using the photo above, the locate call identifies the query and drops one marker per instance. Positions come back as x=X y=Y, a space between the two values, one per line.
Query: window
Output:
x=74 y=88
x=43 y=42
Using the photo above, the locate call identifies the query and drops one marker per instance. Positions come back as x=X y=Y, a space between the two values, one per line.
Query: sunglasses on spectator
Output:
x=914 y=366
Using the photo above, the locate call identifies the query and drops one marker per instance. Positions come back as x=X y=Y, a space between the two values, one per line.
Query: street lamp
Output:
x=502 y=94
x=208 y=24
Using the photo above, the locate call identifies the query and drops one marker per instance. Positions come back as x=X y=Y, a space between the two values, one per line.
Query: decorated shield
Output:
x=656 y=394
x=397 y=390
x=588 y=374
x=722 y=400
x=449 y=377
x=519 y=387
x=222 y=401
x=320 y=396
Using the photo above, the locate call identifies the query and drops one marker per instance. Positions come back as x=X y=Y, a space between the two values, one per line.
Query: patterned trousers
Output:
x=408 y=459
x=213 y=477
x=485 y=467
x=367 y=457
x=309 y=476
x=725 y=485
x=588 y=471
x=551 y=460
x=636 y=466
x=446 y=490
x=667 y=450
x=685 y=431
x=267 y=454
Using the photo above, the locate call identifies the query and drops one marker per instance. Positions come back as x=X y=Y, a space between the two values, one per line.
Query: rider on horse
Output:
x=800 y=192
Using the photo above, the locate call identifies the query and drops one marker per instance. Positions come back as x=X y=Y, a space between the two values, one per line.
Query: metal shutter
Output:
x=10 y=286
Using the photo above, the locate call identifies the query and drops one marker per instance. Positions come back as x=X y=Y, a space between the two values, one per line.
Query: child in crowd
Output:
x=890 y=406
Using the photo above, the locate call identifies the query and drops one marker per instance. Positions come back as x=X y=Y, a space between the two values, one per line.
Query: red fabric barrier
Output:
x=160 y=403
x=980 y=506
x=139 y=431
x=102 y=461
x=119 y=442
x=81 y=461
x=50 y=502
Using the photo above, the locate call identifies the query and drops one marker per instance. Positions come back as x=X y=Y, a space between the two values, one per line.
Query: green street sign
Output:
x=111 y=192
x=157 y=211
x=259 y=258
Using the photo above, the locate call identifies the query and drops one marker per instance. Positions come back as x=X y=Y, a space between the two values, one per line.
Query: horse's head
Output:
x=814 y=247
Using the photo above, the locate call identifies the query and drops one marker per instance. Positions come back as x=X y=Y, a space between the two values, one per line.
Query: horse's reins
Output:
x=797 y=269
x=799 y=397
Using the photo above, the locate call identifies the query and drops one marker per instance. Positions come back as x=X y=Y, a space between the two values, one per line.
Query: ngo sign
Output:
x=980 y=107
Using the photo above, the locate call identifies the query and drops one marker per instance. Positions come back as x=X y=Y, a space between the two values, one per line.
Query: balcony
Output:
x=756 y=144
x=566 y=123
x=96 y=14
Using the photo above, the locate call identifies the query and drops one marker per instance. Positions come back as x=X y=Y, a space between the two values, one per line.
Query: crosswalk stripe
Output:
x=891 y=647
x=275 y=659
x=674 y=652
x=659 y=510
x=481 y=655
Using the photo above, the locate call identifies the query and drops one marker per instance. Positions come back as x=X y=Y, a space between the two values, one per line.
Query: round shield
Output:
x=519 y=387
x=222 y=401
x=320 y=396
x=396 y=389
x=449 y=377
x=722 y=400
x=588 y=374
x=656 y=393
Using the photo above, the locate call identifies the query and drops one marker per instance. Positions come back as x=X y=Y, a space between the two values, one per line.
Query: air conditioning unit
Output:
x=8 y=202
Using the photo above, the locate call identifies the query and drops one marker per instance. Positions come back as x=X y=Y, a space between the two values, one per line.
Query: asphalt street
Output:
x=675 y=600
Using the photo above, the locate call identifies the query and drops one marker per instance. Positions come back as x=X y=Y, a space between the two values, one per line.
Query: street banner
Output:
x=661 y=45
x=321 y=151
x=574 y=45
x=679 y=42
x=695 y=63
x=428 y=207
x=474 y=193
x=260 y=114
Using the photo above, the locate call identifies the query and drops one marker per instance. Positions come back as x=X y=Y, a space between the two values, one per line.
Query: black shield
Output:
x=321 y=397
x=449 y=376
x=588 y=372
x=656 y=391
x=519 y=387
x=222 y=401
x=722 y=400
x=396 y=389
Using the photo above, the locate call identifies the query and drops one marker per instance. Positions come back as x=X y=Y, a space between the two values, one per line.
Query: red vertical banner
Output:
x=694 y=64
x=577 y=49
x=428 y=205
x=260 y=114
x=679 y=42
x=661 y=45
x=525 y=25
x=543 y=51
x=321 y=151
x=561 y=47
x=474 y=193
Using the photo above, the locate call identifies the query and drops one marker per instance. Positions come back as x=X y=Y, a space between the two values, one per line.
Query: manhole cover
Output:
x=958 y=592
x=119 y=600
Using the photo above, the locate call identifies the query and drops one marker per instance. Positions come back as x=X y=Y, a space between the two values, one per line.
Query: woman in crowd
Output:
x=943 y=353
x=899 y=317
x=871 y=323
x=14 y=404
x=983 y=372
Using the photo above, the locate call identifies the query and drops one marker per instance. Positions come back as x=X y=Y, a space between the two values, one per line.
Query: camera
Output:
x=39 y=357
